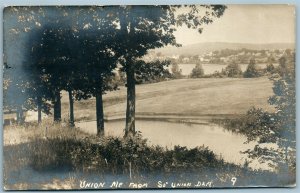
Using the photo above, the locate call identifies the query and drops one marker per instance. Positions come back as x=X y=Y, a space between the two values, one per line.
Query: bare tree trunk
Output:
x=20 y=115
x=71 y=102
x=99 y=114
x=130 y=109
x=57 y=106
x=39 y=109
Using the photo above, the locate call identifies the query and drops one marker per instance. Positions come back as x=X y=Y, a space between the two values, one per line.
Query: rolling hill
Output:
x=201 y=48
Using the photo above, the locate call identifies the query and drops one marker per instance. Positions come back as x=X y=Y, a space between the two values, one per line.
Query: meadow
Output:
x=182 y=98
x=59 y=157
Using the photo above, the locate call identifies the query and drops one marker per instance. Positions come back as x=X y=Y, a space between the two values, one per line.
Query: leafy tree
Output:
x=93 y=59
x=39 y=91
x=197 y=72
x=142 y=28
x=150 y=72
x=22 y=24
x=180 y=59
x=282 y=69
x=270 y=68
x=284 y=100
x=52 y=38
x=97 y=63
x=19 y=23
x=233 y=70
x=252 y=70
x=274 y=132
x=54 y=59
x=138 y=29
x=176 y=71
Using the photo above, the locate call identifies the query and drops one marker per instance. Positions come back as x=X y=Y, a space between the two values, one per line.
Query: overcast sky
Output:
x=246 y=24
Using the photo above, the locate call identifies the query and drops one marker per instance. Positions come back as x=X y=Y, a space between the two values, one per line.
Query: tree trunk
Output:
x=71 y=102
x=57 y=106
x=99 y=114
x=130 y=109
x=39 y=109
x=20 y=115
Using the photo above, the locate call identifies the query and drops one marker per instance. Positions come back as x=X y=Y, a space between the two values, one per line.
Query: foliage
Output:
x=252 y=70
x=270 y=68
x=150 y=72
x=176 y=71
x=233 y=70
x=141 y=30
x=121 y=157
x=273 y=132
x=76 y=48
x=67 y=150
x=197 y=72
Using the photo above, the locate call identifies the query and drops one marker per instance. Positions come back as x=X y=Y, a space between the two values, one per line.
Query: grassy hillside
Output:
x=184 y=97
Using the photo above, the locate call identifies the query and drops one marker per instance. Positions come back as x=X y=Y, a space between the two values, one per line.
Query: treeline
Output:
x=226 y=56
x=76 y=49
x=234 y=70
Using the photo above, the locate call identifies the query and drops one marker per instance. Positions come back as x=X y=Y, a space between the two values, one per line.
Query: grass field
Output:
x=182 y=97
x=58 y=157
x=63 y=157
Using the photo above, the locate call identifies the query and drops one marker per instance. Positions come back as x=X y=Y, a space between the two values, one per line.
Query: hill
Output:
x=201 y=48
x=182 y=97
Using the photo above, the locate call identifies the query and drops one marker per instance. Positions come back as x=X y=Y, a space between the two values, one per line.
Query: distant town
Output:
x=224 y=56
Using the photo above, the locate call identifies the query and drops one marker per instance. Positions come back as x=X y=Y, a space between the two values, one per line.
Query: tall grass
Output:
x=65 y=149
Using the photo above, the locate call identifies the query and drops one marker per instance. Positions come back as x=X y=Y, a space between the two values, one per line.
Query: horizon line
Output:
x=239 y=43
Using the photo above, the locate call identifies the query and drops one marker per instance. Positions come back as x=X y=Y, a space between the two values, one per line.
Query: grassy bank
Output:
x=183 y=97
x=65 y=156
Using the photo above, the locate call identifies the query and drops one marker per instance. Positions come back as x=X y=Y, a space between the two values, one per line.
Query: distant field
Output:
x=184 y=97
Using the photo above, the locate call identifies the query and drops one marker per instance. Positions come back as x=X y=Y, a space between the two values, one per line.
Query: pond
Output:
x=222 y=142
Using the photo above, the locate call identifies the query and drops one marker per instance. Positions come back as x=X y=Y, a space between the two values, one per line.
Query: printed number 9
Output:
x=233 y=180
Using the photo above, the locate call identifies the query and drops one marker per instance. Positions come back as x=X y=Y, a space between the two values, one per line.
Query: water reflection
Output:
x=168 y=134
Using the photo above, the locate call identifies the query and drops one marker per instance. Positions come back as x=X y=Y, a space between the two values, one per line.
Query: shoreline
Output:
x=170 y=117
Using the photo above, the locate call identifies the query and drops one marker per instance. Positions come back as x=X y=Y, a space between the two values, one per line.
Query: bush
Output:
x=233 y=70
x=270 y=68
x=255 y=119
x=176 y=71
x=113 y=155
x=197 y=72
x=267 y=128
x=122 y=157
x=252 y=70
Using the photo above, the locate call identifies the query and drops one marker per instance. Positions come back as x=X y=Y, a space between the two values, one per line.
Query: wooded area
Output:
x=77 y=49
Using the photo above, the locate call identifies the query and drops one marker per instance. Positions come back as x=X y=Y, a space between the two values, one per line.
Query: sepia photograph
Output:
x=149 y=97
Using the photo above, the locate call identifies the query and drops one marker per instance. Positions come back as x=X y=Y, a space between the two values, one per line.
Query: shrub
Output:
x=122 y=157
x=114 y=155
x=233 y=70
x=270 y=68
x=176 y=71
x=268 y=128
x=252 y=70
x=197 y=72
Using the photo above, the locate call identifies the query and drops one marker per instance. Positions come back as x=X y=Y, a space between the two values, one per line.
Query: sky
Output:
x=246 y=24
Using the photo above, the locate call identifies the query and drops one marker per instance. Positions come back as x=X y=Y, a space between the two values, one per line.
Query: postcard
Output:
x=149 y=97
